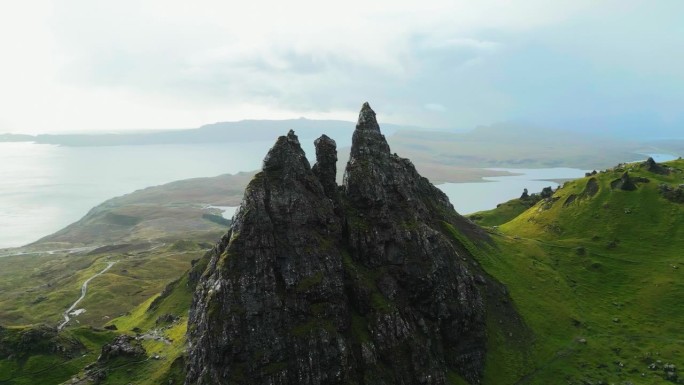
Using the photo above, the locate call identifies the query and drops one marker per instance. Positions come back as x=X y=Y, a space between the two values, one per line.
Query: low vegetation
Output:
x=595 y=277
x=598 y=281
x=504 y=212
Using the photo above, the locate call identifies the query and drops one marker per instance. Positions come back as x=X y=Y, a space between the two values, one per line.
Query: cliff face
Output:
x=366 y=283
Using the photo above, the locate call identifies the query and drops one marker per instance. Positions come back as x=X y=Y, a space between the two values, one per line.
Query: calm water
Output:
x=468 y=198
x=660 y=157
x=471 y=197
x=43 y=188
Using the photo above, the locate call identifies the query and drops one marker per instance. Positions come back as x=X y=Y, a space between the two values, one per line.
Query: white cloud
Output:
x=83 y=64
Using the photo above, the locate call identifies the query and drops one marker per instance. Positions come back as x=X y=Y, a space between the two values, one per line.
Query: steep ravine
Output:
x=365 y=283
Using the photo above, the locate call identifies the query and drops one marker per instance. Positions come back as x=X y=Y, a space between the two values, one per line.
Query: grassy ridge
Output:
x=119 y=297
x=164 y=341
x=162 y=337
x=598 y=281
x=504 y=212
x=48 y=360
x=38 y=289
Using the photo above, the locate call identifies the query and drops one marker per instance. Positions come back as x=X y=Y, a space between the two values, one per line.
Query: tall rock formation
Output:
x=325 y=168
x=367 y=283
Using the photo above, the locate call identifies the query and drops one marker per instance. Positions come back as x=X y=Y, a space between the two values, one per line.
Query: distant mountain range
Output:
x=240 y=131
x=307 y=129
x=436 y=152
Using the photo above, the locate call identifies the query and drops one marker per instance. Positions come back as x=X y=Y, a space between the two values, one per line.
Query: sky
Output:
x=106 y=66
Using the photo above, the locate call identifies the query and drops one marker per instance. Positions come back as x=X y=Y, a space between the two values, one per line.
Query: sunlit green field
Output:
x=598 y=281
x=595 y=278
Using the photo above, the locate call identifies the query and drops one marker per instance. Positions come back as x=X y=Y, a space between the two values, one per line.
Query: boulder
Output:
x=122 y=346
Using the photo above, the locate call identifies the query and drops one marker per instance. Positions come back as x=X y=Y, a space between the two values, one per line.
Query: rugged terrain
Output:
x=367 y=283
x=182 y=209
x=591 y=273
x=595 y=271
x=152 y=235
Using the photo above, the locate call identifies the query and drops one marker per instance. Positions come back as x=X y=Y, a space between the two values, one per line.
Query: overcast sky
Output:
x=82 y=65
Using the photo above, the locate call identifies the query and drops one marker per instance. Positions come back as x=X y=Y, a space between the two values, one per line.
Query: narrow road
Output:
x=12 y=251
x=84 y=290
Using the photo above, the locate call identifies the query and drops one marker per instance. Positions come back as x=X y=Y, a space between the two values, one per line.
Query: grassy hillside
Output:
x=159 y=326
x=163 y=213
x=504 y=212
x=38 y=355
x=594 y=271
x=38 y=289
x=151 y=235
x=41 y=355
x=598 y=280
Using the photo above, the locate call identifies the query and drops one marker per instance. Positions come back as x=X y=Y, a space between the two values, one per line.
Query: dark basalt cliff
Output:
x=366 y=283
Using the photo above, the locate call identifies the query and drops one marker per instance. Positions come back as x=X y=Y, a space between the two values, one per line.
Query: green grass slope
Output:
x=155 y=214
x=160 y=324
x=41 y=355
x=597 y=278
x=504 y=212
x=594 y=271
x=152 y=235
x=38 y=289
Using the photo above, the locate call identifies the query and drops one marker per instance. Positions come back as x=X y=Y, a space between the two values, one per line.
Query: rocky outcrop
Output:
x=122 y=346
x=625 y=183
x=570 y=200
x=628 y=182
x=369 y=283
x=546 y=192
x=650 y=165
x=591 y=189
x=18 y=343
x=671 y=193
x=167 y=318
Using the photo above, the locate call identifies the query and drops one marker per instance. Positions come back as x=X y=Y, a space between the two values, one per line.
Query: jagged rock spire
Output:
x=367 y=120
x=370 y=286
x=286 y=154
x=367 y=138
x=325 y=168
x=264 y=278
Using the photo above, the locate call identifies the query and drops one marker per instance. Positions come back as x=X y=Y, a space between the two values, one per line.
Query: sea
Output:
x=44 y=188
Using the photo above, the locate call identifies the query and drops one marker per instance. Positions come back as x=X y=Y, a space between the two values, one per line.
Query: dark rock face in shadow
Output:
x=325 y=168
x=367 y=283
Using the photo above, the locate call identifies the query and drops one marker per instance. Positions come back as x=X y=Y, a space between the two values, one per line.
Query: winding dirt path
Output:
x=84 y=290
